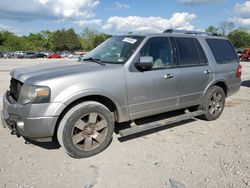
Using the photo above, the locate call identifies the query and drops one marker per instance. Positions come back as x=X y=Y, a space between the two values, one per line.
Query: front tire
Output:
x=86 y=129
x=213 y=103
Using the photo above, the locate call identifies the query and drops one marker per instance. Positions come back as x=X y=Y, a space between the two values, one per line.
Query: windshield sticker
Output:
x=120 y=60
x=129 y=40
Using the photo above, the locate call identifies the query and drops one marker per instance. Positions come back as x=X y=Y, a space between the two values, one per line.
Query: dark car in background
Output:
x=1 y=55
x=41 y=55
x=8 y=55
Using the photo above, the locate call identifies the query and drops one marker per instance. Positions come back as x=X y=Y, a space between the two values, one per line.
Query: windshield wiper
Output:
x=95 y=60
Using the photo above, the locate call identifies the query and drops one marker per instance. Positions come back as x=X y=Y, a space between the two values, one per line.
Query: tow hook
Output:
x=13 y=132
x=13 y=127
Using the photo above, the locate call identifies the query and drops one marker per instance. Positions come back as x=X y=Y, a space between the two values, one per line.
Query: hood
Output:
x=46 y=71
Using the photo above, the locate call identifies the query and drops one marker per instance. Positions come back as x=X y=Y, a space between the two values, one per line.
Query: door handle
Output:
x=207 y=72
x=168 y=76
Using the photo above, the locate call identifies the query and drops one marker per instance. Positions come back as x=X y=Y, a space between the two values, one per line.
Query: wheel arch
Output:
x=106 y=101
x=220 y=83
x=223 y=85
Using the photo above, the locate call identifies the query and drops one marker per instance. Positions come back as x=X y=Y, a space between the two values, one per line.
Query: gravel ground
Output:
x=194 y=153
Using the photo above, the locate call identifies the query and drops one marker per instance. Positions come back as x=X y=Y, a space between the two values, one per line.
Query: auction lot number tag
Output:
x=129 y=40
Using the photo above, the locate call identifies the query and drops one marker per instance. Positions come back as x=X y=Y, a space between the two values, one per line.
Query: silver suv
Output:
x=124 y=79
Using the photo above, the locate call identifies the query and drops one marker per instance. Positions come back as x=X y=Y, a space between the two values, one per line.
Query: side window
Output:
x=222 y=50
x=202 y=55
x=160 y=49
x=187 y=51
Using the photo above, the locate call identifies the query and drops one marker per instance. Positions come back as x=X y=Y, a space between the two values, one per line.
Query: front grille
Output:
x=15 y=88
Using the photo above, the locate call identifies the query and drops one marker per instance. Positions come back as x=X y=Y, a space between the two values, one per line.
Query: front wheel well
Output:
x=97 y=98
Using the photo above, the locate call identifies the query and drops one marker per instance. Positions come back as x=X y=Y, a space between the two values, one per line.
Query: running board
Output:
x=160 y=123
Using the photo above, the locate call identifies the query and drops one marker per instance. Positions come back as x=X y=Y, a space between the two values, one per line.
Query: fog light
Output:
x=20 y=124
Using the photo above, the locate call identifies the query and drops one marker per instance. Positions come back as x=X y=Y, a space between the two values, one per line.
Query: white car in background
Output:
x=73 y=55
x=18 y=53
x=65 y=54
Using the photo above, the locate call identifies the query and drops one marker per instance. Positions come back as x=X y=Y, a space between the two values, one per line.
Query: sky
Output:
x=120 y=16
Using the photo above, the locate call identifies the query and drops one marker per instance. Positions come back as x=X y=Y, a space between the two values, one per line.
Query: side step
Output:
x=160 y=123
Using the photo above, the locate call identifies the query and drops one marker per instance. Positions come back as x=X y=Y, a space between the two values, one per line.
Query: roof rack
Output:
x=189 y=32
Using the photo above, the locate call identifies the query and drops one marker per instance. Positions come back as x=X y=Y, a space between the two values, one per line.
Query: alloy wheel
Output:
x=215 y=104
x=89 y=131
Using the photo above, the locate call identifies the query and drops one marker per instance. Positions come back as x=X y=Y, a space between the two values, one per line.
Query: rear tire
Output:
x=213 y=103
x=86 y=129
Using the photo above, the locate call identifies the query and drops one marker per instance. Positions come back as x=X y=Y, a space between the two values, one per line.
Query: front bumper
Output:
x=39 y=128
x=4 y=120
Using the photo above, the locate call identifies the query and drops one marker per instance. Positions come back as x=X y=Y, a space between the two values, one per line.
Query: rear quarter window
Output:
x=222 y=50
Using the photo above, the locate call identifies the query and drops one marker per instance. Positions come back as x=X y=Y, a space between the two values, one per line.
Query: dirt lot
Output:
x=194 y=153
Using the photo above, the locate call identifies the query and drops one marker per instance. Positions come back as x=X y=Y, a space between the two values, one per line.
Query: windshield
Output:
x=115 y=50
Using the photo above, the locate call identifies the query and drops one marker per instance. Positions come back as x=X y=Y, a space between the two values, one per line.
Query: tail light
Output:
x=239 y=71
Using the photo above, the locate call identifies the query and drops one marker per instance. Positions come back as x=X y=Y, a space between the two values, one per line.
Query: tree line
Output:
x=240 y=37
x=69 y=40
x=60 y=40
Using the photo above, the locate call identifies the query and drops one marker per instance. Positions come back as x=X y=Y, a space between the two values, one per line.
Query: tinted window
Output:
x=187 y=51
x=202 y=55
x=222 y=50
x=160 y=49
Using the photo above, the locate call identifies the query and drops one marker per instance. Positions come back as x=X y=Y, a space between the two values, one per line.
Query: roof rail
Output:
x=189 y=32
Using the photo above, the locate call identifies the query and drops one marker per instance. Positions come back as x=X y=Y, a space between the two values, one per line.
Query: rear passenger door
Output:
x=195 y=73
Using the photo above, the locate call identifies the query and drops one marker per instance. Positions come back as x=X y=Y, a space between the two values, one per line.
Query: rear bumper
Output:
x=233 y=89
x=35 y=128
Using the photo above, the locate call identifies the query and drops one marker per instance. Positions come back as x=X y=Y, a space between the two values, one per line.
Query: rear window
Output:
x=222 y=50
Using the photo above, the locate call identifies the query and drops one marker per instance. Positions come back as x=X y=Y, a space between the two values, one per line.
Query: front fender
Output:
x=122 y=109
x=84 y=93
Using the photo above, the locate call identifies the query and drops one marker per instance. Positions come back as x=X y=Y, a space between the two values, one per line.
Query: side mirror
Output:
x=145 y=64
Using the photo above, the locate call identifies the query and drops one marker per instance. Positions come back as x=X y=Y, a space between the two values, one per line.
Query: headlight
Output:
x=34 y=94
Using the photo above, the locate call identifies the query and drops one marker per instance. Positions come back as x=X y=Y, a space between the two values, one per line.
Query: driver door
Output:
x=154 y=91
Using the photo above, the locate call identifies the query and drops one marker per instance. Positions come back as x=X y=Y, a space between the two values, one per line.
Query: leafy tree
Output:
x=87 y=39
x=100 y=38
x=72 y=40
x=58 y=40
x=65 y=40
x=92 y=38
x=1 y=39
x=47 y=35
x=212 y=29
x=11 y=42
x=35 y=42
x=240 y=38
